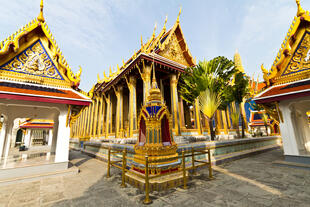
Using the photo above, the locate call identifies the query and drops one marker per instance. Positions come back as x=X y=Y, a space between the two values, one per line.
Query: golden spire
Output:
x=153 y=36
x=154 y=94
x=300 y=10
x=41 y=17
x=178 y=18
x=164 y=28
x=238 y=63
x=110 y=74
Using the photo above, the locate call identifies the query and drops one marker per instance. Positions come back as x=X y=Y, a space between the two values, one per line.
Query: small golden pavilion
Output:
x=118 y=98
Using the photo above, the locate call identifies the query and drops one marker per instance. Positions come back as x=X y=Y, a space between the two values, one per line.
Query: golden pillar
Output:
x=85 y=122
x=119 y=111
x=96 y=118
x=91 y=117
x=108 y=117
x=100 y=99
x=228 y=118
x=146 y=77
x=224 y=121
x=132 y=105
x=219 y=121
x=174 y=104
x=88 y=119
x=103 y=116
x=197 y=117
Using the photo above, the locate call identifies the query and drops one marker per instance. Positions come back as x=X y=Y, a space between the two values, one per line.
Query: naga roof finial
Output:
x=41 y=17
x=178 y=18
x=300 y=10
x=164 y=28
x=153 y=36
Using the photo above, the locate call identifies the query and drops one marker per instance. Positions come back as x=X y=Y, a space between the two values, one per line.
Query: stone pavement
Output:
x=252 y=181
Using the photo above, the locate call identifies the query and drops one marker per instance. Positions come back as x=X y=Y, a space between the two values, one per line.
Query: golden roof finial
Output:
x=153 y=36
x=105 y=76
x=300 y=10
x=41 y=17
x=178 y=18
x=164 y=28
x=110 y=74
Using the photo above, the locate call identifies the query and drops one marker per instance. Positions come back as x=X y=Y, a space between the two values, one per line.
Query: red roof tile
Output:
x=285 y=91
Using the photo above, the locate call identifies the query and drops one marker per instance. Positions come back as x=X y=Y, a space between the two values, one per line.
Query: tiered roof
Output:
x=32 y=67
x=169 y=48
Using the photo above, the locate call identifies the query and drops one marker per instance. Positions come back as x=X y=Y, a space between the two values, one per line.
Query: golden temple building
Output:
x=118 y=97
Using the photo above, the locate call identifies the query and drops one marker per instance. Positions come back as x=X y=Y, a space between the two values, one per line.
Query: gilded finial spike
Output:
x=110 y=71
x=117 y=67
x=123 y=63
x=154 y=30
x=165 y=23
x=41 y=17
x=141 y=42
x=300 y=10
x=178 y=18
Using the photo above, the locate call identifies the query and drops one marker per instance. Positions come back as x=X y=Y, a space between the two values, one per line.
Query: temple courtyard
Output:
x=252 y=181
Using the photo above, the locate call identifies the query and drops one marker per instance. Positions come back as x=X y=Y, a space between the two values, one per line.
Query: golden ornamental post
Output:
x=124 y=169
x=210 y=164
x=147 y=187
x=184 y=170
x=109 y=162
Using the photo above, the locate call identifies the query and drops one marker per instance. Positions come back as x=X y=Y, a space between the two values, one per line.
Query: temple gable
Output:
x=300 y=61
x=173 y=51
x=33 y=61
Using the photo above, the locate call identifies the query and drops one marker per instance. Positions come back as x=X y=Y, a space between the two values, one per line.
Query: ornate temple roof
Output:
x=289 y=75
x=292 y=62
x=169 y=48
x=24 y=54
x=32 y=67
x=284 y=91
x=37 y=123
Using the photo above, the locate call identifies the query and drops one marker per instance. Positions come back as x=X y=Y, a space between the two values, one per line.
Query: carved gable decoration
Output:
x=33 y=61
x=173 y=51
x=300 y=61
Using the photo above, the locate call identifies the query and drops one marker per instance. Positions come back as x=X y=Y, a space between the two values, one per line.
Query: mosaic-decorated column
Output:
x=100 y=99
x=92 y=117
x=224 y=121
x=146 y=77
x=132 y=105
x=174 y=104
x=108 y=117
x=119 y=110
x=96 y=117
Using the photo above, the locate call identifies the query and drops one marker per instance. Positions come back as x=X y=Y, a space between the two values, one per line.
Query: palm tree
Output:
x=265 y=120
x=207 y=80
x=209 y=101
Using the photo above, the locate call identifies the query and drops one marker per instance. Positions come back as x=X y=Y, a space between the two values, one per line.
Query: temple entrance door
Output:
x=19 y=137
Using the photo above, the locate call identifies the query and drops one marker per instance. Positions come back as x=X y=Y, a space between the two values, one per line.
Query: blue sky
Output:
x=97 y=34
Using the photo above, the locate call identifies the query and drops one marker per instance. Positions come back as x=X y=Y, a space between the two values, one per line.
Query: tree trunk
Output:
x=266 y=127
x=212 y=133
x=242 y=123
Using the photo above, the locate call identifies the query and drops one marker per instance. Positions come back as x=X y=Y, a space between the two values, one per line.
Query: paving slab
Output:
x=252 y=181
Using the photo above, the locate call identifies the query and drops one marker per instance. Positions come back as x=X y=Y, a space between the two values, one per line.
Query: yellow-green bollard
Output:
x=123 y=185
x=184 y=170
x=210 y=164
x=109 y=162
x=147 y=199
